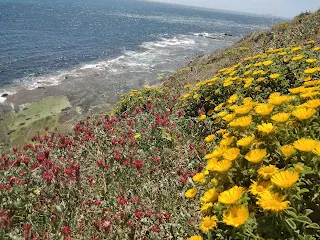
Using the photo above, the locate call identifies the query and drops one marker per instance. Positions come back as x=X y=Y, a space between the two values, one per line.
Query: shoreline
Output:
x=87 y=91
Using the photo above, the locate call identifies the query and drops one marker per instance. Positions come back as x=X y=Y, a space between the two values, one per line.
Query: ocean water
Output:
x=44 y=42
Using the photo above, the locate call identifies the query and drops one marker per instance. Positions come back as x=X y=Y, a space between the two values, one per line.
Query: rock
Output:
x=41 y=87
x=5 y=95
x=228 y=34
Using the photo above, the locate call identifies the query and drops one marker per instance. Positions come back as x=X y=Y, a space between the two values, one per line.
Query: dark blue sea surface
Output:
x=44 y=38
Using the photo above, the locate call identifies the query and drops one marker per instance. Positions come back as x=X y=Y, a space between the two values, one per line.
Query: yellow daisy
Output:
x=281 y=117
x=209 y=138
x=258 y=187
x=195 y=237
x=199 y=178
x=209 y=196
x=266 y=128
x=241 y=122
x=264 y=109
x=304 y=113
x=246 y=141
x=272 y=201
x=235 y=215
x=208 y=223
x=305 y=144
x=231 y=196
x=206 y=208
x=285 y=179
x=191 y=193
x=267 y=171
x=231 y=154
x=287 y=150
x=256 y=155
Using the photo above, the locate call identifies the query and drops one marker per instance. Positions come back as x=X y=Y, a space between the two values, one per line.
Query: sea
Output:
x=108 y=45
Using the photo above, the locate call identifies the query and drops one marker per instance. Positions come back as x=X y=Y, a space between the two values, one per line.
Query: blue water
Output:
x=40 y=37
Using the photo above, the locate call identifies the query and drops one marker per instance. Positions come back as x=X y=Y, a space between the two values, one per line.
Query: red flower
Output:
x=122 y=201
x=47 y=176
x=26 y=230
x=155 y=228
x=66 y=230
x=138 y=213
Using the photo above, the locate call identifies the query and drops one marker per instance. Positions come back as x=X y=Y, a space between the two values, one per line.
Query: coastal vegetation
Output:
x=226 y=148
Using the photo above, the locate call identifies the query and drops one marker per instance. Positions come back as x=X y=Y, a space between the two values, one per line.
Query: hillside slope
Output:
x=227 y=148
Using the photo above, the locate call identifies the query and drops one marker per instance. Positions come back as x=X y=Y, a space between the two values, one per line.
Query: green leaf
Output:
x=308 y=212
x=304 y=219
x=291 y=223
x=304 y=190
x=292 y=214
x=313 y=225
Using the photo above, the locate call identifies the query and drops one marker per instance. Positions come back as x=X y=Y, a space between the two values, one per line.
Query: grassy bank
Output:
x=227 y=148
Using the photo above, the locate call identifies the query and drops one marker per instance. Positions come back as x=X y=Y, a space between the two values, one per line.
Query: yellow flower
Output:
x=247 y=100
x=298 y=168
x=268 y=171
x=191 y=193
x=199 y=178
x=206 y=208
x=231 y=196
x=316 y=49
x=218 y=108
x=241 y=122
x=214 y=182
x=208 y=223
x=233 y=98
x=209 y=196
x=311 y=70
x=210 y=112
x=222 y=114
x=278 y=100
x=211 y=164
x=231 y=154
x=222 y=166
x=209 y=138
x=284 y=179
x=266 y=128
x=272 y=201
x=312 y=83
x=226 y=141
x=305 y=144
x=298 y=57
x=274 y=76
x=137 y=136
x=296 y=49
x=311 y=60
x=196 y=96
x=229 y=117
x=235 y=215
x=243 y=109
x=202 y=117
x=195 y=237
x=287 y=150
x=246 y=141
x=267 y=63
x=256 y=155
x=218 y=152
x=304 y=113
x=264 y=109
x=248 y=82
x=37 y=192
x=316 y=149
x=281 y=117
x=258 y=187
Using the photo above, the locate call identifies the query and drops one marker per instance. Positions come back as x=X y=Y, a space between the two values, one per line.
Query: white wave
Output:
x=145 y=59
